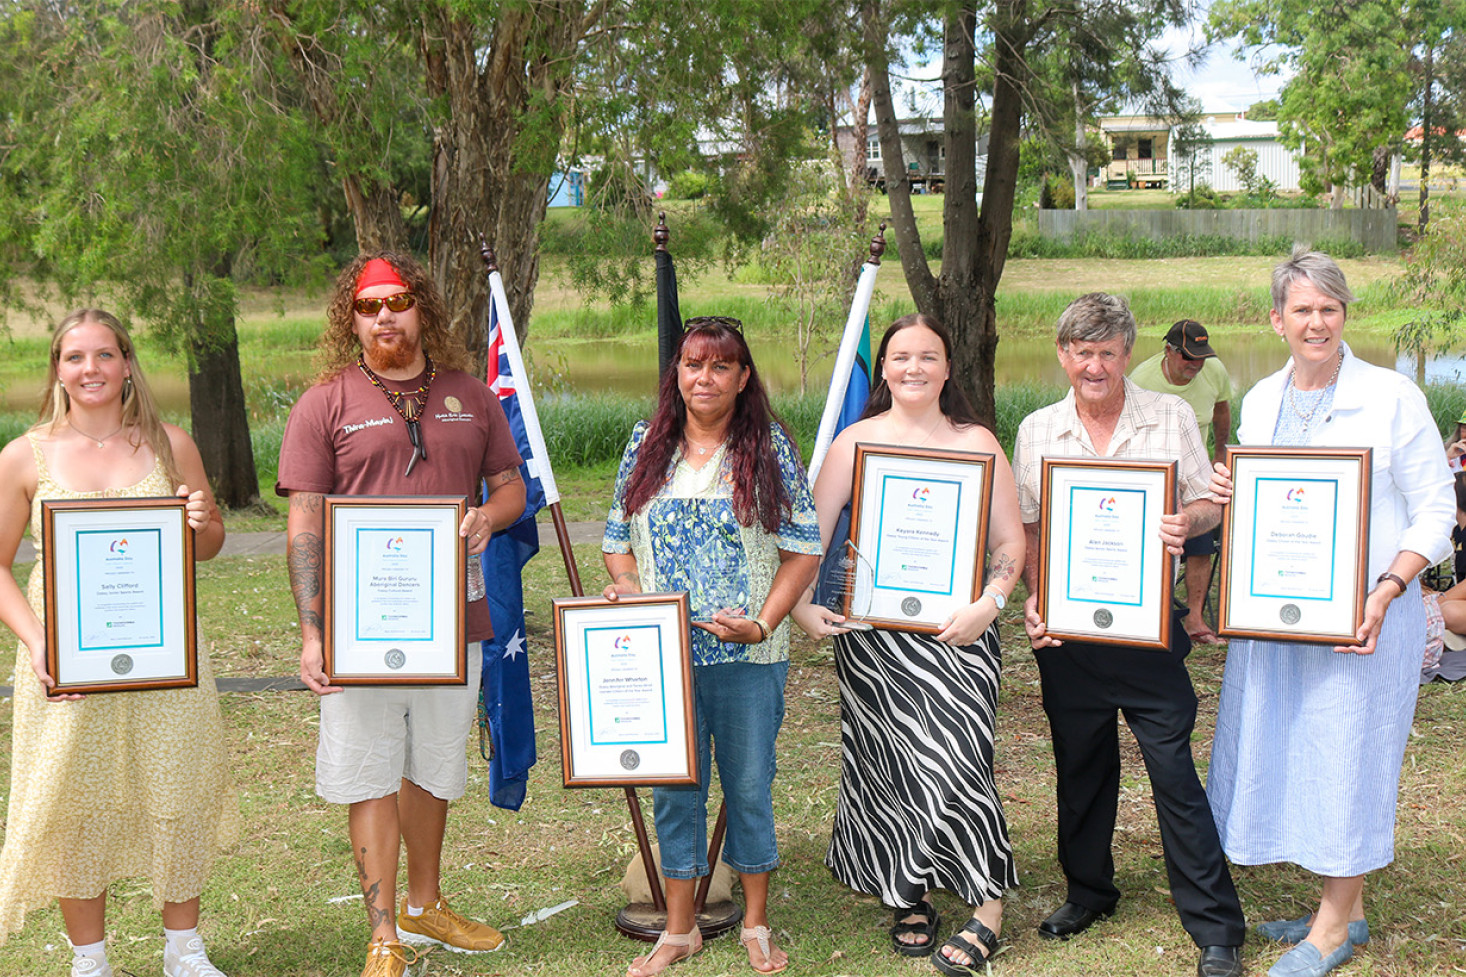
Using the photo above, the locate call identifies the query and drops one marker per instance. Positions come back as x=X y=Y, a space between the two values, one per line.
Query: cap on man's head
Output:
x=378 y=271
x=1462 y=418
x=1189 y=336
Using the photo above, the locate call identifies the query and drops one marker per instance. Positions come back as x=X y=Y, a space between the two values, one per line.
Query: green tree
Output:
x=1346 y=102
x=1190 y=148
x=142 y=168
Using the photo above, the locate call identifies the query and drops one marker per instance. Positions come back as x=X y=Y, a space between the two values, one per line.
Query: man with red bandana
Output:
x=393 y=412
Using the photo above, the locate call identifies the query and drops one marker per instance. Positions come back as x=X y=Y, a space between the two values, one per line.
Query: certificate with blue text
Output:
x=918 y=535
x=1295 y=542
x=395 y=589
x=119 y=590
x=626 y=707
x=1104 y=574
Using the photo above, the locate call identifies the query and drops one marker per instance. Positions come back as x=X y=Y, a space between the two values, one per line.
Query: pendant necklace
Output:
x=99 y=442
x=409 y=406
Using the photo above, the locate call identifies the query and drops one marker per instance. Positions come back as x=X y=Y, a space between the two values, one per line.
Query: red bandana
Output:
x=378 y=271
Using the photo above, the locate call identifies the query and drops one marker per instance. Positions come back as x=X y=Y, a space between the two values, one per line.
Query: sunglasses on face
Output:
x=400 y=302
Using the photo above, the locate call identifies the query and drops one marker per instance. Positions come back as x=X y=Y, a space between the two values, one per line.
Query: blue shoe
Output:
x=1305 y=960
x=1296 y=930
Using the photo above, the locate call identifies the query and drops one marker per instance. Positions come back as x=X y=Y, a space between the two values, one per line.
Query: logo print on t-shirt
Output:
x=453 y=403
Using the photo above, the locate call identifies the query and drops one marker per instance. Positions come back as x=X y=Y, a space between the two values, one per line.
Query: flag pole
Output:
x=539 y=462
x=849 y=344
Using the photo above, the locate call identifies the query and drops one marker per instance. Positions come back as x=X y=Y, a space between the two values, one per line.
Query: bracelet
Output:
x=1387 y=575
x=763 y=629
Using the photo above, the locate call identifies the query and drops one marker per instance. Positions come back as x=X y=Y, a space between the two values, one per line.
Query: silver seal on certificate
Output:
x=122 y=664
x=1289 y=614
x=1103 y=618
x=911 y=607
x=630 y=759
x=394 y=659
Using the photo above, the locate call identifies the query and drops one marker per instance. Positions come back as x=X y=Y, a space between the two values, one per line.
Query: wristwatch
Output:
x=1387 y=575
x=997 y=596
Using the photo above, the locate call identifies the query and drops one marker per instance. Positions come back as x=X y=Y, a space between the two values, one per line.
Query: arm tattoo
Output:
x=1002 y=568
x=304 y=562
x=307 y=501
x=502 y=478
x=631 y=577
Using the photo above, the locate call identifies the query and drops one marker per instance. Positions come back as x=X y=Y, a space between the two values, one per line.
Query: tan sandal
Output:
x=676 y=940
x=762 y=934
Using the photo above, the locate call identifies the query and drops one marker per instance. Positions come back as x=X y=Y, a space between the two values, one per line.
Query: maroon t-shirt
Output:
x=344 y=438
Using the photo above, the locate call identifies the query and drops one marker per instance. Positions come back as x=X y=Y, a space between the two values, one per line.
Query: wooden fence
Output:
x=1374 y=229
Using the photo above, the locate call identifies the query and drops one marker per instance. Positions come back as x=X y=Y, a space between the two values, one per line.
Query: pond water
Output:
x=631 y=368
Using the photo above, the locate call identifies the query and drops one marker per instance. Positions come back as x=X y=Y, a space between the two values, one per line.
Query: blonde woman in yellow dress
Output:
x=107 y=787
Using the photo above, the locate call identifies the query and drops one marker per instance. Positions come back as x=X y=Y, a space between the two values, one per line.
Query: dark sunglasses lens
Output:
x=367 y=306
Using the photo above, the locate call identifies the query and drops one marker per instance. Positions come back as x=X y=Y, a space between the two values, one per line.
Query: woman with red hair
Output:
x=711 y=498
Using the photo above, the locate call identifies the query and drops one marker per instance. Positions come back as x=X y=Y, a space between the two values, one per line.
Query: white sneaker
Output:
x=192 y=962
x=90 y=967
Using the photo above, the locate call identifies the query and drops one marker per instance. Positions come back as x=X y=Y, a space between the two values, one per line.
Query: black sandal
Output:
x=986 y=940
x=928 y=928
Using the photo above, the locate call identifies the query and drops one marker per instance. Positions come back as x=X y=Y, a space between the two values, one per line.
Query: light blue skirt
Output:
x=1305 y=767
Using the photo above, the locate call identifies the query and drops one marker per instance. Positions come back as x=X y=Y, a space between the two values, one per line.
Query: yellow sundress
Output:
x=112 y=786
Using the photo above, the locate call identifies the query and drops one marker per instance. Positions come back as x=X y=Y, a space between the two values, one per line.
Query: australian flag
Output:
x=858 y=392
x=506 y=709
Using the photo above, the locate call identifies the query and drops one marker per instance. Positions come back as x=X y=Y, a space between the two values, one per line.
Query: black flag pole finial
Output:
x=661 y=234
x=491 y=263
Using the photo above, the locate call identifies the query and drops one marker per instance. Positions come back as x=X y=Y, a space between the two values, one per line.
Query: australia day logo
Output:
x=395 y=545
x=622 y=642
x=119 y=546
x=1295 y=495
x=922 y=495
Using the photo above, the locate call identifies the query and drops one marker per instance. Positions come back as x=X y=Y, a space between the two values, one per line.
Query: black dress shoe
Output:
x=1220 y=961
x=1070 y=919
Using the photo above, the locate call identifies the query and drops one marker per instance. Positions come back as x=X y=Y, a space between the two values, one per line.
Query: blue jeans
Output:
x=740 y=707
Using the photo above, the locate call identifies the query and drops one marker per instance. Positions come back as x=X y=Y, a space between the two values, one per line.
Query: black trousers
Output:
x=1084 y=686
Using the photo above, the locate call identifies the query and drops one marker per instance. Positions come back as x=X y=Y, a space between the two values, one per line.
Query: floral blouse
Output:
x=687 y=538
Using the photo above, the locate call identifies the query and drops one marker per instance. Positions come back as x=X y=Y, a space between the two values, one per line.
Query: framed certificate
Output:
x=918 y=535
x=626 y=707
x=1295 y=544
x=119 y=589
x=1103 y=574
x=395 y=590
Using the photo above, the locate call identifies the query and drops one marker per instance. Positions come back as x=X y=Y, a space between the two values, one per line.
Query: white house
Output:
x=1274 y=160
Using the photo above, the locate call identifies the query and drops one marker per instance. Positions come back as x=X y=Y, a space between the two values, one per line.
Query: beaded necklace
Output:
x=409 y=406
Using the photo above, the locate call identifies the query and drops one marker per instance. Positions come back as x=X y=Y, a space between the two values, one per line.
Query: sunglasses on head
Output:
x=400 y=302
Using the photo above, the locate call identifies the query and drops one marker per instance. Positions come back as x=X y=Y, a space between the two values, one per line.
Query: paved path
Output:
x=271 y=544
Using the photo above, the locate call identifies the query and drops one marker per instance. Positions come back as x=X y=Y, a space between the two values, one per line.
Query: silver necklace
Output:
x=99 y=442
x=1307 y=418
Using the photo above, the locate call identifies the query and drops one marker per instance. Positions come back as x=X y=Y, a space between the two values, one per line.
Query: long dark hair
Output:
x=758 y=491
x=952 y=401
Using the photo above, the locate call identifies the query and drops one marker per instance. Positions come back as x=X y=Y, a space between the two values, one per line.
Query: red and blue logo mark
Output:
x=119 y=546
x=395 y=545
x=623 y=642
x=922 y=494
x=1295 y=494
x=1107 y=504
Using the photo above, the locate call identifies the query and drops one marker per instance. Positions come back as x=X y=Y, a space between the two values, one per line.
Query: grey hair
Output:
x=1314 y=267
x=1095 y=318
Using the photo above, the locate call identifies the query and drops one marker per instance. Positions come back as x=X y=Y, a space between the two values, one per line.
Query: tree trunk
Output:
x=1426 y=122
x=860 y=130
x=1078 y=165
x=975 y=242
x=488 y=179
x=376 y=213
x=217 y=409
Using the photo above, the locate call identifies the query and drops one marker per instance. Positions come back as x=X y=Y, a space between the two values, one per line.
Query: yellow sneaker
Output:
x=388 y=958
x=441 y=925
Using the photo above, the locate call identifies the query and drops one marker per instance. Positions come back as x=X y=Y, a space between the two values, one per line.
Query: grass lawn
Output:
x=281 y=904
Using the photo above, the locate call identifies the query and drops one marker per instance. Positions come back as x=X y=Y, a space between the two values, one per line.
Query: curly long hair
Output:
x=339 y=347
x=139 y=409
x=758 y=491
x=952 y=401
